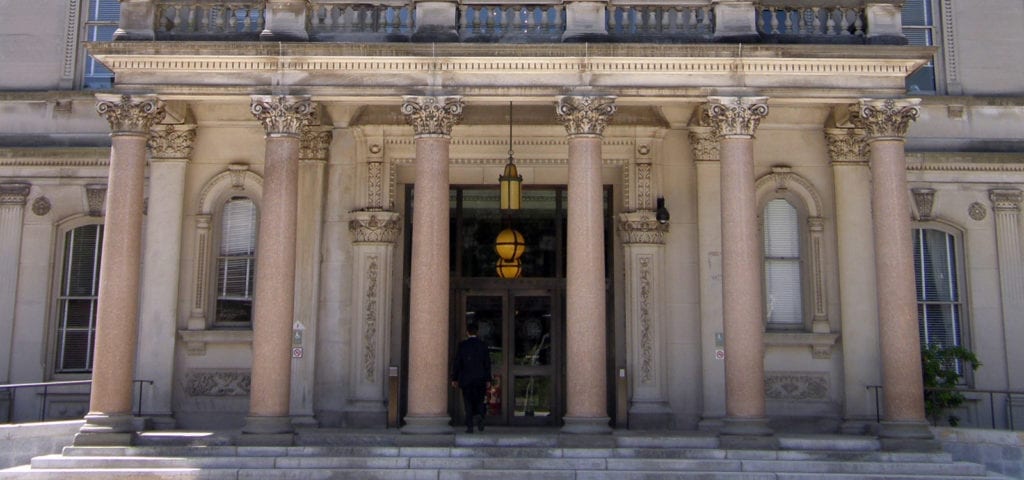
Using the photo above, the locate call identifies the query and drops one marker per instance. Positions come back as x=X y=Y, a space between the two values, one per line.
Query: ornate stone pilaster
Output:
x=1006 y=210
x=734 y=121
x=110 y=405
x=585 y=115
x=885 y=123
x=846 y=145
x=283 y=115
x=13 y=197
x=373 y=235
x=315 y=143
x=704 y=143
x=172 y=141
x=432 y=119
x=432 y=116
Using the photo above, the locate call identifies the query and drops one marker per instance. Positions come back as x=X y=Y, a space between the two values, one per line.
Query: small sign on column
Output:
x=296 y=352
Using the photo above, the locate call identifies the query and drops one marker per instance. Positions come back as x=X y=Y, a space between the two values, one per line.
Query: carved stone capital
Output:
x=374 y=226
x=885 y=119
x=846 y=145
x=14 y=193
x=735 y=116
x=169 y=141
x=641 y=227
x=924 y=200
x=130 y=114
x=283 y=115
x=585 y=115
x=704 y=143
x=432 y=116
x=315 y=143
x=1005 y=200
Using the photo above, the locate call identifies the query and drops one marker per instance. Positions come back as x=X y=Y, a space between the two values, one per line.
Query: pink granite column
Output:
x=735 y=119
x=109 y=421
x=274 y=296
x=885 y=123
x=432 y=119
x=585 y=297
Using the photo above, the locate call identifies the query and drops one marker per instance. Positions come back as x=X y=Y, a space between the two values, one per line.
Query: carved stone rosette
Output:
x=641 y=228
x=735 y=116
x=169 y=141
x=846 y=145
x=704 y=143
x=14 y=193
x=130 y=114
x=885 y=119
x=432 y=116
x=374 y=227
x=1005 y=200
x=585 y=115
x=283 y=115
x=315 y=143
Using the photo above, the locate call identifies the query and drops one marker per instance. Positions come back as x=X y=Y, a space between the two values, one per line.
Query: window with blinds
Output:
x=100 y=24
x=938 y=291
x=236 y=263
x=782 y=284
x=919 y=28
x=77 y=298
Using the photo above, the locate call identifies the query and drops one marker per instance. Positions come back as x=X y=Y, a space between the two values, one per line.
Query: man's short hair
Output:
x=472 y=328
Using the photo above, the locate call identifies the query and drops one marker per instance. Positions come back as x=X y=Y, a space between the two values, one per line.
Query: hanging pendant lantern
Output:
x=510 y=180
x=509 y=269
x=510 y=245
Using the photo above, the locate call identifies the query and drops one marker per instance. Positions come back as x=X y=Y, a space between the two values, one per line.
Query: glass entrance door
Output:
x=523 y=332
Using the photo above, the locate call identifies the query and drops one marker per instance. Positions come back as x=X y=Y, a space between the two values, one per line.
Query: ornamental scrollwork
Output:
x=646 y=325
x=735 y=116
x=704 y=143
x=1005 y=200
x=885 y=119
x=133 y=114
x=171 y=142
x=846 y=145
x=314 y=144
x=585 y=115
x=14 y=193
x=375 y=227
x=283 y=115
x=370 y=332
x=432 y=116
x=641 y=227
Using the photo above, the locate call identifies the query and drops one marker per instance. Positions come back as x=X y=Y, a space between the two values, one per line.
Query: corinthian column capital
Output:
x=14 y=193
x=885 y=119
x=315 y=143
x=432 y=116
x=1005 y=200
x=130 y=114
x=846 y=145
x=704 y=143
x=584 y=115
x=736 y=116
x=283 y=115
x=170 y=141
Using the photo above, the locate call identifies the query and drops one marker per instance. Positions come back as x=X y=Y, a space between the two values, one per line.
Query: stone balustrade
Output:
x=510 y=21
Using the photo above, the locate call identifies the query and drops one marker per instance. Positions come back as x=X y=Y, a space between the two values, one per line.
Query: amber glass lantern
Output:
x=511 y=187
x=510 y=245
x=509 y=268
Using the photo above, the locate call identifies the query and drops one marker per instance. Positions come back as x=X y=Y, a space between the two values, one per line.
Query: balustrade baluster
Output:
x=545 y=24
x=816 y=15
x=830 y=23
x=559 y=20
x=612 y=24
x=858 y=24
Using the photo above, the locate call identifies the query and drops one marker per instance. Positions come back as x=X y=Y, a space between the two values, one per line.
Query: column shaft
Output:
x=1006 y=210
x=12 y=212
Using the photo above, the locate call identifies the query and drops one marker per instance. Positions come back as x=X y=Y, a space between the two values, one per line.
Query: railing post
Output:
x=585 y=21
x=285 y=21
x=735 y=21
x=885 y=23
x=137 y=20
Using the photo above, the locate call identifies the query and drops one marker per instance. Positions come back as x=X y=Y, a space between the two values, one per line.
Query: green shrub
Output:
x=943 y=368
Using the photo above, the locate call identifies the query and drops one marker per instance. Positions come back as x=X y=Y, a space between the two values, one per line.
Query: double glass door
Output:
x=523 y=331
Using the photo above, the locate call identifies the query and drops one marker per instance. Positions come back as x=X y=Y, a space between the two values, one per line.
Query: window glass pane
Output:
x=781 y=230
x=77 y=298
x=236 y=264
x=104 y=10
x=938 y=297
x=76 y=348
x=922 y=80
x=917 y=12
x=782 y=290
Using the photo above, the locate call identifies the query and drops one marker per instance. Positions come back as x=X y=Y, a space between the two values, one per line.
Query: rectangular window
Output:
x=938 y=292
x=101 y=22
x=77 y=299
x=783 y=299
x=236 y=263
x=919 y=28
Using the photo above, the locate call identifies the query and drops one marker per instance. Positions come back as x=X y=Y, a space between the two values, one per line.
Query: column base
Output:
x=650 y=416
x=427 y=425
x=586 y=425
x=106 y=430
x=907 y=437
x=747 y=434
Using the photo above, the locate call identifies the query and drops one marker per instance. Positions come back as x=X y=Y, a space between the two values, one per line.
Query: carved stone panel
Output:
x=218 y=383
x=798 y=386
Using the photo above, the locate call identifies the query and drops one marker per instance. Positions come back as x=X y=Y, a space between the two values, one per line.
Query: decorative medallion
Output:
x=432 y=116
x=41 y=206
x=585 y=115
x=977 y=211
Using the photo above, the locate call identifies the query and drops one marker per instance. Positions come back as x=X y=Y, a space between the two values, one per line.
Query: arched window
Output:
x=236 y=263
x=939 y=304
x=77 y=295
x=782 y=283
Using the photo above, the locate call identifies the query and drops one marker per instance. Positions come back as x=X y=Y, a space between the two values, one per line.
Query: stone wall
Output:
x=1000 y=451
x=24 y=441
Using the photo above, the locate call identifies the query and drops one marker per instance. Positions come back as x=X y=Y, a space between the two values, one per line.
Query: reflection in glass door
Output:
x=522 y=333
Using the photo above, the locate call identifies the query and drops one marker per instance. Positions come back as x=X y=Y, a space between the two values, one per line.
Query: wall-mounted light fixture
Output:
x=510 y=180
x=661 y=213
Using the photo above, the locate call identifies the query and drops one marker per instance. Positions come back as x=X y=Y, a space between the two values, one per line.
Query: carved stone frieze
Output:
x=641 y=227
x=41 y=206
x=315 y=143
x=283 y=115
x=846 y=145
x=1005 y=200
x=374 y=226
x=796 y=386
x=704 y=143
x=924 y=200
x=14 y=193
x=95 y=197
x=370 y=321
x=646 y=327
x=168 y=141
x=885 y=119
x=130 y=114
x=432 y=116
x=735 y=116
x=217 y=383
x=585 y=115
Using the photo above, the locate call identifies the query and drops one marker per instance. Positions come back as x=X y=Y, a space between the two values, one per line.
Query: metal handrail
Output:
x=991 y=401
x=13 y=388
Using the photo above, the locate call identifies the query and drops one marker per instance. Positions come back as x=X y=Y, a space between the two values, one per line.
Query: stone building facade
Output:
x=283 y=214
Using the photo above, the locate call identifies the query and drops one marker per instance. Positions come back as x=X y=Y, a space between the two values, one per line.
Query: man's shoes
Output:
x=480 y=424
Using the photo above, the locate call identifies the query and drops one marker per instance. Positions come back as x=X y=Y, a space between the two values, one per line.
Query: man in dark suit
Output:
x=471 y=372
